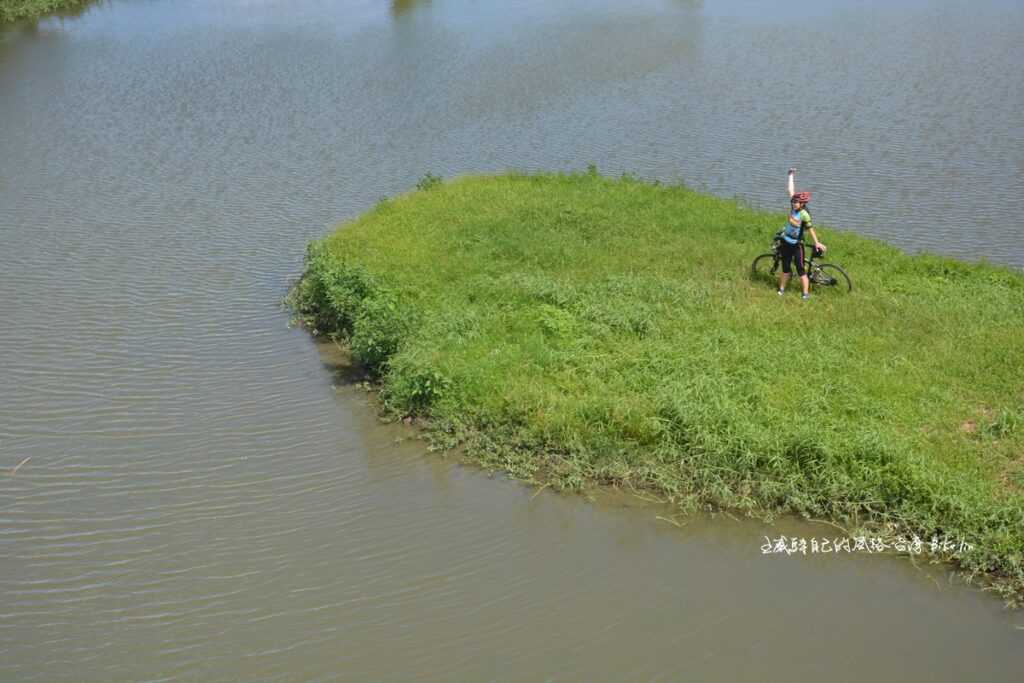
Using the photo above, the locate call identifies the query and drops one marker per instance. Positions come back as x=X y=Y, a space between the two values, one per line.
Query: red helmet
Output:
x=802 y=197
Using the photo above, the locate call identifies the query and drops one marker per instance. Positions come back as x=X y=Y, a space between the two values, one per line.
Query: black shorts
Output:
x=792 y=253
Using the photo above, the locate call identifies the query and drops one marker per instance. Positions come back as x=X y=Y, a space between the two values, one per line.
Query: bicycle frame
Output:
x=818 y=273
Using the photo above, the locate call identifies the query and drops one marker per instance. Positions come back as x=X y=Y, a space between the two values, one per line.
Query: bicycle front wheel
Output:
x=830 y=277
x=765 y=268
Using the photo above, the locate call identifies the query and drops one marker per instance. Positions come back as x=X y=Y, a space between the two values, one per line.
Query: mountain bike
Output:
x=824 y=277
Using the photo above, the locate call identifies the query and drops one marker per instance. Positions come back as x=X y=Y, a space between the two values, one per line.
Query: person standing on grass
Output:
x=792 y=245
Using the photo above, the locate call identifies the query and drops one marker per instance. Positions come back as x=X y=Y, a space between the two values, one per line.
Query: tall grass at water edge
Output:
x=17 y=10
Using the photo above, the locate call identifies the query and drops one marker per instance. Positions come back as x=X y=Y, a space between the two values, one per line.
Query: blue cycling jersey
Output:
x=794 y=230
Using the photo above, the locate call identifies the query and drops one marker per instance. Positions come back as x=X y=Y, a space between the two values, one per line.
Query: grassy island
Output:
x=577 y=329
x=17 y=10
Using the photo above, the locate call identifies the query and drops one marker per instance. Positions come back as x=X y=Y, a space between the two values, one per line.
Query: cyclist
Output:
x=791 y=247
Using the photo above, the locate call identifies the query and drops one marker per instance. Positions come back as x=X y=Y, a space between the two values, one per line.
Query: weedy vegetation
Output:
x=17 y=10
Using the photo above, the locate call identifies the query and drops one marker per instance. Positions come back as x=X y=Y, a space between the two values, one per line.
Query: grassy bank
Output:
x=17 y=10
x=578 y=329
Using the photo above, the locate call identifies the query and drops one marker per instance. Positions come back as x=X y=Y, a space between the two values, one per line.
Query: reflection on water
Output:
x=400 y=7
x=209 y=492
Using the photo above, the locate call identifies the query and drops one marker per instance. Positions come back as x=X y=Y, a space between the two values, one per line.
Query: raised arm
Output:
x=790 y=182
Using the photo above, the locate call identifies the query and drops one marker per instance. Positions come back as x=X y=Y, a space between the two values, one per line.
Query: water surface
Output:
x=208 y=498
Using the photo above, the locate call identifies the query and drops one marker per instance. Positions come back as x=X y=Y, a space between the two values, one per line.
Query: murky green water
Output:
x=206 y=499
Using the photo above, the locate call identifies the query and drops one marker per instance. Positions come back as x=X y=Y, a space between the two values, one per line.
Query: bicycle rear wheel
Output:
x=765 y=268
x=829 y=277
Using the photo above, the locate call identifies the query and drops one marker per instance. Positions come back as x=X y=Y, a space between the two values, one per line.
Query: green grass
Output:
x=17 y=10
x=576 y=329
